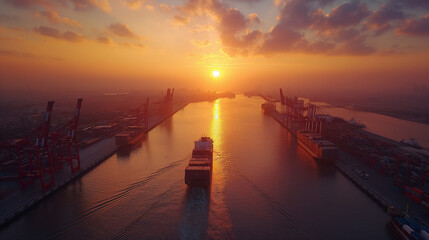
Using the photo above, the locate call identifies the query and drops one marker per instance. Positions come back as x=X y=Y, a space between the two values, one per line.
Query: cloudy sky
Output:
x=138 y=44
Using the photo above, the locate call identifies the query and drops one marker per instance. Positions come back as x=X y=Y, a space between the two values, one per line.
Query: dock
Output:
x=17 y=202
x=348 y=172
x=380 y=187
x=377 y=186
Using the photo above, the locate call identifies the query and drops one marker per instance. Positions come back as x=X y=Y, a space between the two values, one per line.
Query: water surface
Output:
x=264 y=187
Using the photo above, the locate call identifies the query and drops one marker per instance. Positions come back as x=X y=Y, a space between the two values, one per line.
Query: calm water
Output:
x=393 y=128
x=264 y=187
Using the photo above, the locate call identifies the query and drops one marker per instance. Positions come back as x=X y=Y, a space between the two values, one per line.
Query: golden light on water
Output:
x=218 y=214
x=216 y=123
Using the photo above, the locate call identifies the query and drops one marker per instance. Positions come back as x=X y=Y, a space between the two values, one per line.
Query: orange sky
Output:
x=147 y=44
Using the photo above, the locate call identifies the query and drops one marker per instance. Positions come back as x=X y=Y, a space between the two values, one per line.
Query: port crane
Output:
x=64 y=143
x=32 y=154
x=166 y=104
x=141 y=113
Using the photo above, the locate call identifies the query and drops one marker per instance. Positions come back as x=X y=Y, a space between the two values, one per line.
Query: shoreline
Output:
x=14 y=205
x=378 y=187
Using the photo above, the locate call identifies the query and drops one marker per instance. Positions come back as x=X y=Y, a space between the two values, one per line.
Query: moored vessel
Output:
x=408 y=229
x=130 y=137
x=317 y=147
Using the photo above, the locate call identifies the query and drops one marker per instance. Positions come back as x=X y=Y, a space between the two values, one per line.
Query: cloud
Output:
x=277 y=3
x=53 y=17
x=201 y=44
x=122 y=30
x=319 y=47
x=133 y=4
x=54 y=33
x=165 y=8
x=305 y=13
x=422 y=4
x=333 y=33
x=349 y=42
x=133 y=45
x=356 y=46
x=90 y=4
x=233 y=26
x=415 y=27
x=201 y=28
x=347 y=14
x=247 y=1
x=149 y=7
x=253 y=18
x=306 y=26
x=30 y=3
x=108 y=41
x=51 y=4
x=104 y=39
x=180 y=20
x=282 y=38
x=231 y=22
x=380 y=20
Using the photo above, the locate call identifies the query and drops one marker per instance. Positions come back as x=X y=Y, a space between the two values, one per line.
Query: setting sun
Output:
x=216 y=73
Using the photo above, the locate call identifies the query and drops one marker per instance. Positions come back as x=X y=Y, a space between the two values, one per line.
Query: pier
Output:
x=377 y=186
x=17 y=202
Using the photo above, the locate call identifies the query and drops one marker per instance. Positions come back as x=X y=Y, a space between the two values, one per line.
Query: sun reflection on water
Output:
x=219 y=220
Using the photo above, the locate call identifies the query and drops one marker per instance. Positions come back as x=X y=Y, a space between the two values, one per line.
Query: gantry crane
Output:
x=32 y=154
x=64 y=142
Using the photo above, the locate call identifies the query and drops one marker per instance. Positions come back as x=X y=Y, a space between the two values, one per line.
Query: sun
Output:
x=216 y=73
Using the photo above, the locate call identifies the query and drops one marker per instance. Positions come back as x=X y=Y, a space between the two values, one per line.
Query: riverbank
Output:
x=17 y=202
x=413 y=115
x=377 y=186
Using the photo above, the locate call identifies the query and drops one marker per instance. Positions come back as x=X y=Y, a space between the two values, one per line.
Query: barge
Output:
x=198 y=173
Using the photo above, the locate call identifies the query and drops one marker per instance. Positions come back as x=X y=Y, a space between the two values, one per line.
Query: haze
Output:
x=314 y=46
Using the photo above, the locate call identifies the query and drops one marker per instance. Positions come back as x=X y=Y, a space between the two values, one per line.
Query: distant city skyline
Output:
x=148 y=44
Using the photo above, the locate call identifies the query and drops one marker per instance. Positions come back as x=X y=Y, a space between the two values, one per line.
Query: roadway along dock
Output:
x=17 y=202
x=379 y=187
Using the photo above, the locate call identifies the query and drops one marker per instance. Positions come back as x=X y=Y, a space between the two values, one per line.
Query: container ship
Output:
x=130 y=137
x=317 y=147
x=198 y=173
x=409 y=229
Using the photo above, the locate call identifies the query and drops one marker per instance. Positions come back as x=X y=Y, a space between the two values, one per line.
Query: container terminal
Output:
x=394 y=174
x=50 y=155
x=48 y=158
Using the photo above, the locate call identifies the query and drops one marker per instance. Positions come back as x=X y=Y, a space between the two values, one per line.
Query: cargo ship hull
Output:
x=317 y=147
x=130 y=138
x=198 y=173
x=136 y=139
x=198 y=176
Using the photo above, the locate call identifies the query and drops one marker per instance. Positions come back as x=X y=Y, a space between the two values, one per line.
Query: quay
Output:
x=17 y=202
x=377 y=186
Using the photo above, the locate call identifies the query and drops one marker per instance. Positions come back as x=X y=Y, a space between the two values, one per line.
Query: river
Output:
x=264 y=186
